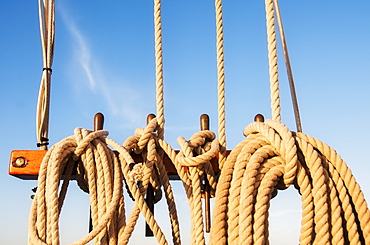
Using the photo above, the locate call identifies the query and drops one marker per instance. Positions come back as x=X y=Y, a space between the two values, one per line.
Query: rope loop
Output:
x=85 y=137
x=197 y=160
x=283 y=142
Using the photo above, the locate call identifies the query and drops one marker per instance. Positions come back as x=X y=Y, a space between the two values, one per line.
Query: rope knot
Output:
x=185 y=156
x=85 y=137
x=136 y=173
x=144 y=135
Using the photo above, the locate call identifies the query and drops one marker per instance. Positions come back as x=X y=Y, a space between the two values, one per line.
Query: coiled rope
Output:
x=101 y=173
x=271 y=158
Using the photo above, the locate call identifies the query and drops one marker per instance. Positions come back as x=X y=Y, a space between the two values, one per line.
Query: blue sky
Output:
x=104 y=61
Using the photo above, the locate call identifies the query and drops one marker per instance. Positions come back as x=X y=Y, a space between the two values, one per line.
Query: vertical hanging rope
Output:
x=288 y=67
x=273 y=67
x=47 y=27
x=221 y=83
x=159 y=67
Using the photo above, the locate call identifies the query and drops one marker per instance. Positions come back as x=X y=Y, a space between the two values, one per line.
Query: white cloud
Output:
x=116 y=95
x=82 y=50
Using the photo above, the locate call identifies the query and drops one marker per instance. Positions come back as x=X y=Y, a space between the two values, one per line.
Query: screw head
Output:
x=20 y=162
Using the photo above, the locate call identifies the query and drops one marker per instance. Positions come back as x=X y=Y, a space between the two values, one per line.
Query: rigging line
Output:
x=159 y=67
x=273 y=61
x=47 y=29
x=288 y=67
x=221 y=83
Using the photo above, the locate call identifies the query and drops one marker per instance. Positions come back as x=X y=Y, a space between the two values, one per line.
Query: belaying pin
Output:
x=149 y=193
x=204 y=125
x=259 y=118
x=98 y=125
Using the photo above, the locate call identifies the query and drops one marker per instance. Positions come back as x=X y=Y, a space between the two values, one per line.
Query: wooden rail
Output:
x=25 y=164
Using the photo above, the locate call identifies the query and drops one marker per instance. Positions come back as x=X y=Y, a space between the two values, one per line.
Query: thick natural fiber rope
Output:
x=159 y=67
x=101 y=174
x=47 y=27
x=145 y=143
x=270 y=158
x=206 y=146
x=221 y=82
x=104 y=184
x=220 y=74
x=272 y=56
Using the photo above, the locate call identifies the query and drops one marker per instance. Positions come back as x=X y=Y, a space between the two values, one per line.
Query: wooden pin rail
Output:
x=25 y=164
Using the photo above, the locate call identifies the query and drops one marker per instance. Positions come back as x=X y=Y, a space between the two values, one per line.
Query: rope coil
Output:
x=270 y=158
x=100 y=173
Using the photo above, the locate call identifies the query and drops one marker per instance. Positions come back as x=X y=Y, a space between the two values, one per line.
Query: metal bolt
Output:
x=20 y=162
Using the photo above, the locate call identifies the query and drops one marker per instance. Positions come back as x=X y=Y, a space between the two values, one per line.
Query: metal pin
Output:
x=98 y=125
x=149 y=193
x=98 y=121
x=204 y=125
x=259 y=118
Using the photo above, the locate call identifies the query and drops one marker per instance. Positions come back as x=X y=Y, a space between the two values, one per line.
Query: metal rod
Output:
x=98 y=125
x=98 y=121
x=149 y=193
x=259 y=118
x=288 y=67
x=204 y=125
x=150 y=202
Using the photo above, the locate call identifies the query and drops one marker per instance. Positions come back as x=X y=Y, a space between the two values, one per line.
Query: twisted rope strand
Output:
x=159 y=67
x=221 y=83
x=288 y=67
x=47 y=30
x=273 y=66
